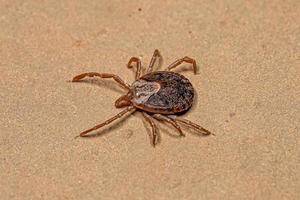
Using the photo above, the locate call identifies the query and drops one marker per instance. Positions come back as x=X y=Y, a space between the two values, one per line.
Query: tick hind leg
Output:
x=138 y=66
x=185 y=59
x=154 y=128
x=156 y=57
x=102 y=75
x=170 y=121
x=119 y=115
x=193 y=125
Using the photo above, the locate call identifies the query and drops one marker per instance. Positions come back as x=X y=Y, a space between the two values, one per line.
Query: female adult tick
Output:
x=157 y=95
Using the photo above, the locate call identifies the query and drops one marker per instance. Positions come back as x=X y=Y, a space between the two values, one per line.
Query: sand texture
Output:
x=248 y=95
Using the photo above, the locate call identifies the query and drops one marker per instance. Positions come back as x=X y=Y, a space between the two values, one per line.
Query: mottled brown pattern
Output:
x=175 y=95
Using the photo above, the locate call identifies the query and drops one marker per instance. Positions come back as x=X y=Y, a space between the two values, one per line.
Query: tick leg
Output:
x=119 y=115
x=170 y=121
x=138 y=66
x=185 y=59
x=193 y=125
x=102 y=75
x=154 y=128
x=156 y=56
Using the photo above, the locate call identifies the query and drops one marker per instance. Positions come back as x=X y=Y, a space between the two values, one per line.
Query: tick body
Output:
x=159 y=95
x=163 y=92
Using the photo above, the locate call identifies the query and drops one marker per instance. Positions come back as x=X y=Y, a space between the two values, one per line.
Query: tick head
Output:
x=124 y=100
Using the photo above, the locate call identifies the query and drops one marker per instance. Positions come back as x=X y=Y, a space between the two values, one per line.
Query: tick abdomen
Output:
x=163 y=92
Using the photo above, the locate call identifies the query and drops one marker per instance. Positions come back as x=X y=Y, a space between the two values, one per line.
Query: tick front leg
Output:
x=156 y=56
x=170 y=121
x=119 y=115
x=185 y=59
x=191 y=124
x=154 y=128
x=102 y=75
x=138 y=66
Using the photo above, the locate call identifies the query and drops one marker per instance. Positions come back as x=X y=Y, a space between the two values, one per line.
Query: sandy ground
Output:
x=247 y=94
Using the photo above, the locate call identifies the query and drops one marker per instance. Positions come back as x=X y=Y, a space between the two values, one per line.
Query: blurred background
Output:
x=247 y=95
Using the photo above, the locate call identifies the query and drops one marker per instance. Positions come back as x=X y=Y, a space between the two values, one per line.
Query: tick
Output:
x=158 y=95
